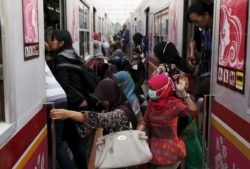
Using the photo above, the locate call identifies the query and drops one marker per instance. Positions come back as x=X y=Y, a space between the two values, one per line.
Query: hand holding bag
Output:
x=122 y=149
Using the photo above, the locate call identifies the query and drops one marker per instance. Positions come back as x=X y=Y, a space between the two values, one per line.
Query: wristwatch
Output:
x=187 y=96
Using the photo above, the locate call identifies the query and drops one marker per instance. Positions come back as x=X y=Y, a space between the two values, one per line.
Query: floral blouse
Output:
x=115 y=120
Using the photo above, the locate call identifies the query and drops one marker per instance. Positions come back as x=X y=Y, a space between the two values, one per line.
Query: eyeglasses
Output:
x=197 y=21
x=164 y=49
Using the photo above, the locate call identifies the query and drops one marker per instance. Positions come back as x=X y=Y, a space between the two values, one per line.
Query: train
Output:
x=23 y=111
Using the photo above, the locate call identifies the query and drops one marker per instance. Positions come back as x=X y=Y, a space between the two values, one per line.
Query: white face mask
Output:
x=134 y=56
x=135 y=67
x=153 y=93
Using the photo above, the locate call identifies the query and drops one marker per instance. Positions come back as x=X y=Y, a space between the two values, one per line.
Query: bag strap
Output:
x=70 y=65
x=77 y=92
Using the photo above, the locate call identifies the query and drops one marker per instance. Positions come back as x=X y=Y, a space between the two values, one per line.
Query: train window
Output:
x=54 y=13
x=161 y=25
x=2 y=112
x=84 y=30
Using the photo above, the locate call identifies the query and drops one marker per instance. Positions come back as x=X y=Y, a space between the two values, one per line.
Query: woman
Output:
x=172 y=64
x=161 y=119
x=126 y=83
x=98 y=46
x=115 y=116
x=56 y=94
x=137 y=71
x=61 y=44
x=170 y=61
x=141 y=42
x=101 y=60
x=66 y=76
x=201 y=14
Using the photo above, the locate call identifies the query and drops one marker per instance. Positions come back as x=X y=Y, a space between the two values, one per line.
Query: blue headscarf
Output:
x=127 y=85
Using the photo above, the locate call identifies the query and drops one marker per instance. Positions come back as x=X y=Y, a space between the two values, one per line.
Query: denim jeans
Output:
x=62 y=154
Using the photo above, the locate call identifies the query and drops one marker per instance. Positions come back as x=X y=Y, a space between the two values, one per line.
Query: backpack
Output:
x=89 y=82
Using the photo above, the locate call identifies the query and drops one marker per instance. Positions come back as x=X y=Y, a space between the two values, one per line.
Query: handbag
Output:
x=122 y=149
x=193 y=143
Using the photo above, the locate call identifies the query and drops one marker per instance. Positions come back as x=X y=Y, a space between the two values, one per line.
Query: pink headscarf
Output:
x=166 y=94
x=96 y=36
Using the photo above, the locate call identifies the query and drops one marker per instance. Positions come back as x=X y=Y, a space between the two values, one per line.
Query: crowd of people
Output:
x=118 y=93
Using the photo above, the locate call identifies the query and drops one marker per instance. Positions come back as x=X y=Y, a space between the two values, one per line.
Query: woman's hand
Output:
x=141 y=128
x=47 y=47
x=59 y=114
x=62 y=114
x=160 y=69
x=181 y=84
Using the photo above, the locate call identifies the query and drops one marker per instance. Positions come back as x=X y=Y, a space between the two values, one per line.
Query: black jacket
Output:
x=69 y=77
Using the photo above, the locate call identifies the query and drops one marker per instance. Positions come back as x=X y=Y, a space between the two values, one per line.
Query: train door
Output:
x=229 y=145
x=57 y=13
x=54 y=17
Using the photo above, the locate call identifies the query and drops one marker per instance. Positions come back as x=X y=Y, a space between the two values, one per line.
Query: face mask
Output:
x=135 y=67
x=152 y=94
x=134 y=56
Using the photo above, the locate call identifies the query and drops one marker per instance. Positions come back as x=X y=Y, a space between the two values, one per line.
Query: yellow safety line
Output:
x=33 y=148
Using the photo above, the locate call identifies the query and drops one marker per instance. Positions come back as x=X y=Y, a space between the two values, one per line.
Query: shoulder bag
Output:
x=122 y=149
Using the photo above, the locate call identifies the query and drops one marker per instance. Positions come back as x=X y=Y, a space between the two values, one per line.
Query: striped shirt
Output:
x=54 y=92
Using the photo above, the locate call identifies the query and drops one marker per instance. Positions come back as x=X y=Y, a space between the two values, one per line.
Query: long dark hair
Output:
x=63 y=35
x=200 y=7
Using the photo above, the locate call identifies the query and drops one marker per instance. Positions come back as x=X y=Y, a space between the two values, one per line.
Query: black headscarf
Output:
x=167 y=53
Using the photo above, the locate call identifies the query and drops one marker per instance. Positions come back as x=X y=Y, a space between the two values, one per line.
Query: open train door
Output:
x=229 y=138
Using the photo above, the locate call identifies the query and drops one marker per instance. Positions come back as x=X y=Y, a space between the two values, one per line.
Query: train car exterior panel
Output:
x=24 y=139
x=229 y=139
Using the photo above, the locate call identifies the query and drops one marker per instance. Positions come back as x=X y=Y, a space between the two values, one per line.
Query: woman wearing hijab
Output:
x=161 y=119
x=170 y=60
x=126 y=83
x=116 y=115
x=172 y=64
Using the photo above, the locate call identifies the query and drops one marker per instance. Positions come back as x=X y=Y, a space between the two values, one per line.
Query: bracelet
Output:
x=187 y=96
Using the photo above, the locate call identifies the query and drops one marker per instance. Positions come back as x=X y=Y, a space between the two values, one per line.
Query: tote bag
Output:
x=193 y=143
x=122 y=149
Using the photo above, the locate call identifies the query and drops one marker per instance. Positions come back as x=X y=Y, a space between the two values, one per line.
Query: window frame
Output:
x=84 y=30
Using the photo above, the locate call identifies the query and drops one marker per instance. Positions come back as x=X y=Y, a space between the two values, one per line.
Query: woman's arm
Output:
x=141 y=128
x=61 y=114
x=181 y=87
x=115 y=120
x=145 y=121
